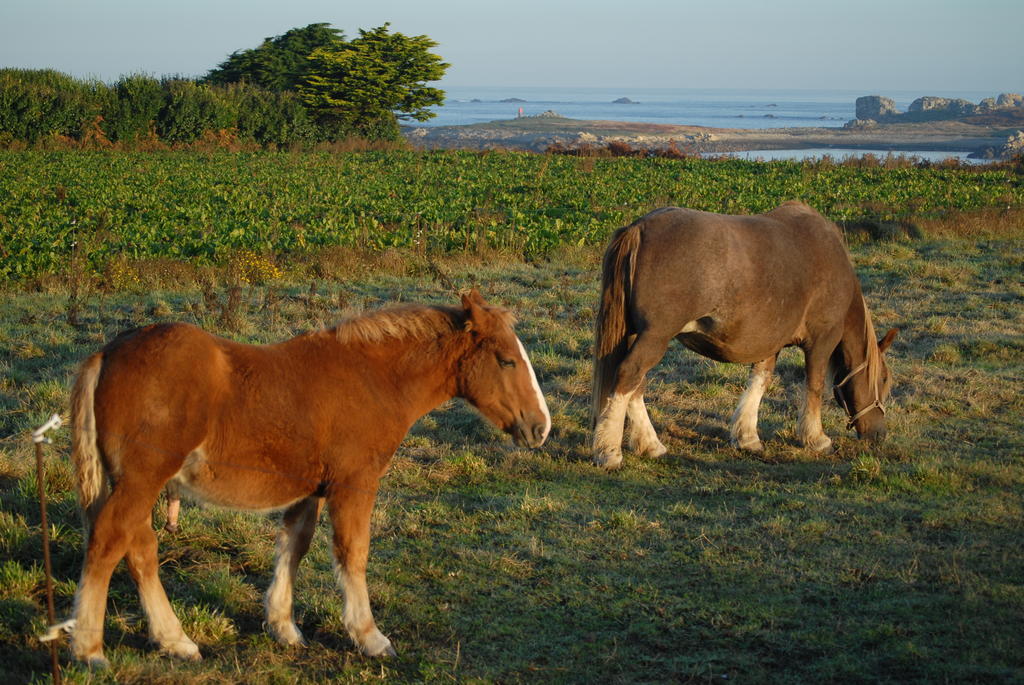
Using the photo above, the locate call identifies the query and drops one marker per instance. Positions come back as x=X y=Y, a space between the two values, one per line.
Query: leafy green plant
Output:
x=203 y=209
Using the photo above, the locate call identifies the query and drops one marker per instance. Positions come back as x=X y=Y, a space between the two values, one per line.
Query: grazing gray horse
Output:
x=735 y=289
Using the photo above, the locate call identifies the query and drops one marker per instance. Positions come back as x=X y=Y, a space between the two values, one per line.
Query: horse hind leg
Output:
x=743 y=427
x=112 y=528
x=646 y=351
x=292 y=544
x=643 y=439
x=164 y=627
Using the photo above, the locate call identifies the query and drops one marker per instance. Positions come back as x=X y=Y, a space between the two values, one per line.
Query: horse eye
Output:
x=507 y=363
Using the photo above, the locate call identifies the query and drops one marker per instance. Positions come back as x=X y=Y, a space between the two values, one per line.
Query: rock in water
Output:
x=875 y=107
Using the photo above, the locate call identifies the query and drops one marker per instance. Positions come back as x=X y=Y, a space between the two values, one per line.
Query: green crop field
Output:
x=894 y=563
x=202 y=208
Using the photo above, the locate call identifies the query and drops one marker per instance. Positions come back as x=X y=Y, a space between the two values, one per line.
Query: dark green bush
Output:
x=135 y=104
x=38 y=103
x=35 y=104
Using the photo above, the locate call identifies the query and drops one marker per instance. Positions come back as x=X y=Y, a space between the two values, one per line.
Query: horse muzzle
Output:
x=874 y=434
x=529 y=433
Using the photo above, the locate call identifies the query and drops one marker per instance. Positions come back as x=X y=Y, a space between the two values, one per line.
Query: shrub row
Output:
x=35 y=104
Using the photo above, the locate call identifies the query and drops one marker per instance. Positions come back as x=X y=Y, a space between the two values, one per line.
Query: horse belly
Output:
x=723 y=343
x=242 y=484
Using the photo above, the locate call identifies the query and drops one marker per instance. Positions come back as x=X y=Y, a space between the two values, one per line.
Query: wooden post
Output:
x=39 y=437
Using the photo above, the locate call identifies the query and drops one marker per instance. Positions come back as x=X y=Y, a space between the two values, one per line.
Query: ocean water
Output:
x=719 y=108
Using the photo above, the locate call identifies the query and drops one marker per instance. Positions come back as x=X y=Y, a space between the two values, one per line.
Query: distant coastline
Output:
x=933 y=124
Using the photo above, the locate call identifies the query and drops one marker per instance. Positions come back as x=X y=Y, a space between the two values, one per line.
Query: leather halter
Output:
x=877 y=403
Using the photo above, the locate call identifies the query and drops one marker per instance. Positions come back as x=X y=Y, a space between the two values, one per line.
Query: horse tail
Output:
x=612 y=328
x=90 y=473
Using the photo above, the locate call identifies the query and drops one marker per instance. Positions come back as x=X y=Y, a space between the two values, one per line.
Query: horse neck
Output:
x=421 y=373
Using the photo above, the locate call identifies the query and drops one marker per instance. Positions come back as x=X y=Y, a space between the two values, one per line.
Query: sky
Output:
x=863 y=45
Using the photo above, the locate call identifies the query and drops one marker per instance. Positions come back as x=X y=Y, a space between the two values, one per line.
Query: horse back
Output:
x=744 y=286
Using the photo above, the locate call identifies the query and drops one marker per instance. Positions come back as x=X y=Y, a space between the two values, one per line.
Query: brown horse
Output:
x=735 y=289
x=283 y=426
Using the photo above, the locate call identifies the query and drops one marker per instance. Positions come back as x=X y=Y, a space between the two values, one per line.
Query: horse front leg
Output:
x=809 y=427
x=292 y=544
x=646 y=351
x=743 y=428
x=351 y=503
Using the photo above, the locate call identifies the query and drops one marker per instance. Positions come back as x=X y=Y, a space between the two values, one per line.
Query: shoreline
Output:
x=538 y=133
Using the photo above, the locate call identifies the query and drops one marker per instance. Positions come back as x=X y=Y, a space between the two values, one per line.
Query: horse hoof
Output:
x=755 y=446
x=378 y=646
x=609 y=460
x=97 y=663
x=656 y=450
x=185 y=650
x=288 y=635
x=823 y=446
x=172 y=529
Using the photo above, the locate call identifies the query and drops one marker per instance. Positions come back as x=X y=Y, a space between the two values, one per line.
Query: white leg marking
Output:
x=810 y=431
x=164 y=626
x=541 y=403
x=278 y=602
x=87 y=638
x=744 y=420
x=643 y=439
x=608 y=432
x=358 y=618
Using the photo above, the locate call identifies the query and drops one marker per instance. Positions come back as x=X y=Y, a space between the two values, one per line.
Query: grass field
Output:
x=897 y=563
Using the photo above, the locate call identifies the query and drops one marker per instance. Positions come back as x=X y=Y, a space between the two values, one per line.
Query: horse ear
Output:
x=473 y=303
x=884 y=343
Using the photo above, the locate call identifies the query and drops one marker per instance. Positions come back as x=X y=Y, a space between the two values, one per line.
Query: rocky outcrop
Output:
x=953 y=107
x=1013 y=146
x=875 y=108
x=860 y=124
x=929 y=108
x=1010 y=100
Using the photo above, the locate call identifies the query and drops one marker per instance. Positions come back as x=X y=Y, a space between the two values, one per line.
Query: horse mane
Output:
x=412 y=322
x=404 y=322
x=874 y=369
x=837 y=367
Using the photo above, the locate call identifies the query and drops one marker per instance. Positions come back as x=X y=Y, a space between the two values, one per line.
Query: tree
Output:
x=365 y=85
x=280 y=62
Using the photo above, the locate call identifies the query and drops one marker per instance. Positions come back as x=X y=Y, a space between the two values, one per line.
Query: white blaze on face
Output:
x=536 y=388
